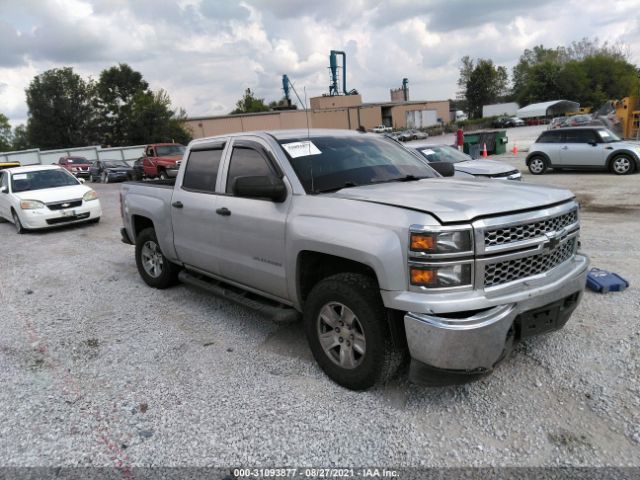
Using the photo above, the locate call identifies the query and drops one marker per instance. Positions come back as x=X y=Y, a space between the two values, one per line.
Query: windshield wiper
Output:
x=335 y=189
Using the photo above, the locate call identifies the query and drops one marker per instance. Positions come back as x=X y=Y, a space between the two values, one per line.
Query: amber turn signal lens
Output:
x=421 y=276
x=421 y=242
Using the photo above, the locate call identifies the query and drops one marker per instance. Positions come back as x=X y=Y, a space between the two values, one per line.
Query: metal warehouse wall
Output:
x=46 y=157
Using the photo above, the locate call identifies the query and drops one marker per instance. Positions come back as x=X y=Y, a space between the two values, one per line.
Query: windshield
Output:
x=78 y=160
x=608 y=136
x=115 y=163
x=38 y=180
x=443 y=153
x=170 y=150
x=326 y=164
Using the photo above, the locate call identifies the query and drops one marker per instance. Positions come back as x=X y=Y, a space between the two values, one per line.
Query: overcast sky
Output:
x=206 y=52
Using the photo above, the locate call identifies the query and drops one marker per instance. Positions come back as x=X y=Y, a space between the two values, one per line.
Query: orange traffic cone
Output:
x=515 y=149
x=484 y=150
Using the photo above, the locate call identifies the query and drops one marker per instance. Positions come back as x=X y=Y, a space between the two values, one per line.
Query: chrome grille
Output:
x=519 y=268
x=501 y=236
x=63 y=205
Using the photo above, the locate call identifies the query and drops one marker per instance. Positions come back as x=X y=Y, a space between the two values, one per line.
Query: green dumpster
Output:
x=495 y=140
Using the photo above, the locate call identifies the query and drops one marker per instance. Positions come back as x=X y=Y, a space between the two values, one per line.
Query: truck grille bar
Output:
x=516 y=247
x=517 y=269
x=525 y=231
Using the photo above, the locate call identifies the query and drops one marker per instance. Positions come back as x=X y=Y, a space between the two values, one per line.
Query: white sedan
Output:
x=42 y=196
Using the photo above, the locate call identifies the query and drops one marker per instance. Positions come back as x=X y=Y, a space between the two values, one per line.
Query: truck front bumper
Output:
x=475 y=343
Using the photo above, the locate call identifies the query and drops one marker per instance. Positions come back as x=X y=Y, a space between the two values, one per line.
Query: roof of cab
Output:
x=301 y=133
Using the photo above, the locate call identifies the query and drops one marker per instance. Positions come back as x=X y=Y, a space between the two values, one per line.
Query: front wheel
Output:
x=163 y=175
x=105 y=177
x=346 y=326
x=153 y=266
x=537 y=165
x=17 y=223
x=621 y=165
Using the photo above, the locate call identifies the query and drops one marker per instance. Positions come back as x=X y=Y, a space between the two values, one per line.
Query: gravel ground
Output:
x=97 y=368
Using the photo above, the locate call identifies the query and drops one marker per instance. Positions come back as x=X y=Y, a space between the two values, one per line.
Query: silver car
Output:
x=464 y=165
x=588 y=148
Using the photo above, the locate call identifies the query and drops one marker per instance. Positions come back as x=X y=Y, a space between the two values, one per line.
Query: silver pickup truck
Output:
x=380 y=255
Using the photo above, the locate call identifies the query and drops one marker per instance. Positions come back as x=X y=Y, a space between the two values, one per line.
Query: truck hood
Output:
x=452 y=200
x=483 y=167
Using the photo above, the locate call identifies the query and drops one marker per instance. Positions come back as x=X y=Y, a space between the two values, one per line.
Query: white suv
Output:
x=583 y=148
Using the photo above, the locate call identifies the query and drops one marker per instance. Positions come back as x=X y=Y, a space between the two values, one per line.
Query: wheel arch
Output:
x=627 y=153
x=538 y=154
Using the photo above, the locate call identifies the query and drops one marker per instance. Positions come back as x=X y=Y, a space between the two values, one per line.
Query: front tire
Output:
x=537 y=165
x=346 y=326
x=163 y=175
x=622 y=165
x=153 y=266
x=105 y=177
x=17 y=223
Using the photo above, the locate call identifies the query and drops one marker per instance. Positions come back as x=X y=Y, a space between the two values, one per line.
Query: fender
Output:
x=627 y=152
x=538 y=154
x=344 y=239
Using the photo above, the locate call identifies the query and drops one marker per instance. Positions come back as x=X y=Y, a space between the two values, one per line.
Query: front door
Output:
x=581 y=148
x=4 y=197
x=252 y=230
x=196 y=227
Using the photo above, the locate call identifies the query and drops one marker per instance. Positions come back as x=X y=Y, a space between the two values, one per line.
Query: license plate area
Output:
x=68 y=213
x=540 y=320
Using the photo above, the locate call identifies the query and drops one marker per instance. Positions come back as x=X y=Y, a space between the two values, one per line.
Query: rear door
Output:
x=252 y=230
x=196 y=227
x=549 y=142
x=581 y=149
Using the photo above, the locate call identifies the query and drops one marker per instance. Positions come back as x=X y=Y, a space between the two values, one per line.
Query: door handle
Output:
x=608 y=148
x=177 y=204
x=224 y=211
x=564 y=148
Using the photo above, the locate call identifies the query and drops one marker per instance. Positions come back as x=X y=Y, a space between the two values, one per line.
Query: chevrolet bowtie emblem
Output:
x=65 y=205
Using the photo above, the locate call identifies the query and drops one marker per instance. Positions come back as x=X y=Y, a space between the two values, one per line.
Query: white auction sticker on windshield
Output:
x=427 y=151
x=20 y=176
x=301 y=149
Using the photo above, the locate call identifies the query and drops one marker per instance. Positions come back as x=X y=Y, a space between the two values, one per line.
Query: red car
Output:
x=78 y=166
x=162 y=160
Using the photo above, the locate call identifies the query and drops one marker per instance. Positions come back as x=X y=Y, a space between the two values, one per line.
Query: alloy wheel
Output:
x=152 y=260
x=341 y=335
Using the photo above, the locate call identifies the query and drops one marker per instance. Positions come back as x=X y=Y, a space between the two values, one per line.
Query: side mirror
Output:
x=263 y=186
x=81 y=180
x=4 y=189
x=445 y=169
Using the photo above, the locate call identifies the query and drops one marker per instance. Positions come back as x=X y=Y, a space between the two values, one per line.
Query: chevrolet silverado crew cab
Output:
x=380 y=255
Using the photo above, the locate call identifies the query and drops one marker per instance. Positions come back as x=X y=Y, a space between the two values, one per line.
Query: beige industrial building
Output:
x=339 y=111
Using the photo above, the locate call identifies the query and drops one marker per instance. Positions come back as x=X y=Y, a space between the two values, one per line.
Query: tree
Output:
x=153 y=120
x=6 y=137
x=20 y=138
x=60 y=110
x=249 y=103
x=115 y=91
x=485 y=84
x=465 y=74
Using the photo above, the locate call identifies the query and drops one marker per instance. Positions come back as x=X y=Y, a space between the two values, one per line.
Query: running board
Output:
x=277 y=312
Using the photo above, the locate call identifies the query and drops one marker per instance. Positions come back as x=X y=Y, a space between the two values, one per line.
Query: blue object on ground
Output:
x=604 y=282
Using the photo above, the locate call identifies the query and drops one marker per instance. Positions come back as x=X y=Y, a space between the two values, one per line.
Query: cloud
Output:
x=206 y=52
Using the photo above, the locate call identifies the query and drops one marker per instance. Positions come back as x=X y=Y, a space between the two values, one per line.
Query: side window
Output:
x=4 y=179
x=150 y=152
x=579 y=136
x=550 y=137
x=202 y=170
x=245 y=162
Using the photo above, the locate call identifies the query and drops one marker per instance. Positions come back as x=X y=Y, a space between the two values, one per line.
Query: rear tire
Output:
x=537 y=165
x=621 y=165
x=346 y=326
x=153 y=266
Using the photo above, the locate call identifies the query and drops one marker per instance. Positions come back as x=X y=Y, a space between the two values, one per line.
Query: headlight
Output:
x=455 y=241
x=441 y=276
x=31 y=204
x=90 y=195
